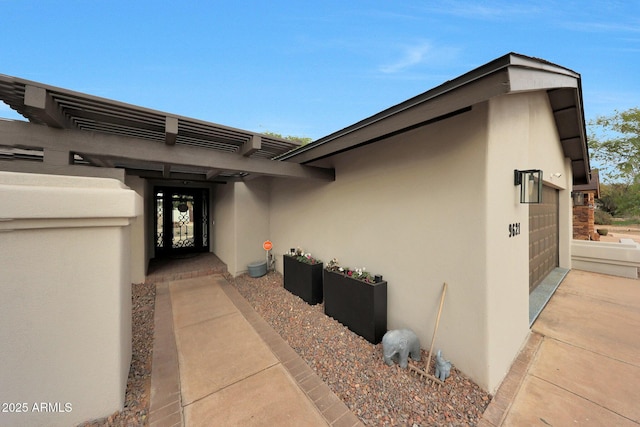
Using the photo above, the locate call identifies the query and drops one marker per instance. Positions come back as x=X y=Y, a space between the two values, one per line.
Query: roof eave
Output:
x=508 y=74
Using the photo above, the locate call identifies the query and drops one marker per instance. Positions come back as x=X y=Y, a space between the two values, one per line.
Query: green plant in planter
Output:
x=602 y=231
x=301 y=256
x=354 y=273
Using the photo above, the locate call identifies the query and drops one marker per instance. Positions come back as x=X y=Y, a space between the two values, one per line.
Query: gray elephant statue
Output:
x=443 y=367
x=401 y=343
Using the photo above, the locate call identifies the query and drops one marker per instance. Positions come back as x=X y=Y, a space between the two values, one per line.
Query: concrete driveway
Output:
x=581 y=364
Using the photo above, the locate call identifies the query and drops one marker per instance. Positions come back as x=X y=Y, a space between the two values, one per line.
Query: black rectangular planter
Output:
x=303 y=280
x=360 y=306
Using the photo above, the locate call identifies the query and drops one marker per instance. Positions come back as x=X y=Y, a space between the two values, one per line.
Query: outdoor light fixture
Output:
x=530 y=182
x=578 y=198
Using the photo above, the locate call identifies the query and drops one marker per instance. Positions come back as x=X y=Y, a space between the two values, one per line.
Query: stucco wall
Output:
x=252 y=204
x=139 y=227
x=223 y=242
x=522 y=135
x=434 y=205
x=413 y=209
x=241 y=215
x=65 y=311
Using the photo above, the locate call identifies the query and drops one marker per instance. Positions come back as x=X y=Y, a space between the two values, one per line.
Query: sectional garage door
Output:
x=543 y=237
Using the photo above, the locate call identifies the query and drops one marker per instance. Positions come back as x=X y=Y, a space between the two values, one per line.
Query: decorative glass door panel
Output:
x=181 y=220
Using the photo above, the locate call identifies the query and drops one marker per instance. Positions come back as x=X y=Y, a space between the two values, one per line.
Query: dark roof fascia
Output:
x=496 y=66
x=592 y=186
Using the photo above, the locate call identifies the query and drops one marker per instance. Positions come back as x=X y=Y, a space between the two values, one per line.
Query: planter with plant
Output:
x=303 y=275
x=356 y=299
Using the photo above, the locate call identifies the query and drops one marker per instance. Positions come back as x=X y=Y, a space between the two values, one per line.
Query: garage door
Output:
x=543 y=237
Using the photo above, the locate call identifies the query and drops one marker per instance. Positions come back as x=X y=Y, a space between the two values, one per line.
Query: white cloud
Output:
x=420 y=54
x=411 y=56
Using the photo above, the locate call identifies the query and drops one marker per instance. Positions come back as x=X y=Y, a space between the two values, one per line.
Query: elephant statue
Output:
x=401 y=343
x=443 y=367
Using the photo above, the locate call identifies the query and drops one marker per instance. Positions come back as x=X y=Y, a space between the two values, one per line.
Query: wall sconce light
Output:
x=530 y=182
x=578 y=198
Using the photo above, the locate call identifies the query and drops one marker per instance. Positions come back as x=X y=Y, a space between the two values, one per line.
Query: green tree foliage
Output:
x=302 y=140
x=620 y=199
x=615 y=143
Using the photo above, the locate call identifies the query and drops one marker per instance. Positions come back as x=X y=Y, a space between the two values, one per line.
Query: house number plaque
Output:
x=514 y=229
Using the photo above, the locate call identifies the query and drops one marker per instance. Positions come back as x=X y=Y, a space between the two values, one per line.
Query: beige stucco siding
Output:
x=410 y=208
x=139 y=255
x=252 y=213
x=425 y=207
x=224 y=225
x=241 y=223
x=65 y=257
x=522 y=135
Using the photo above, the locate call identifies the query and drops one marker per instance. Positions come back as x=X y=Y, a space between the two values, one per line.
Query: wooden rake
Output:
x=425 y=374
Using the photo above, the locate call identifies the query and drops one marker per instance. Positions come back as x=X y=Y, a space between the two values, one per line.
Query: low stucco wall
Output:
x=65 y=311
x=616 y=259
x=139 y=256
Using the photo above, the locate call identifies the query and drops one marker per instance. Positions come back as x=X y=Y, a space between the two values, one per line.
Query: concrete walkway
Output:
x=581 y=364
x=218 y=363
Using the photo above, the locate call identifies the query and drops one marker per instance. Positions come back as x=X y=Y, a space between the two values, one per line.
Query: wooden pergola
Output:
x=67 y=128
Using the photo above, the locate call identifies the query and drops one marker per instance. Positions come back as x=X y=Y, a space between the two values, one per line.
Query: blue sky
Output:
x=308 y=68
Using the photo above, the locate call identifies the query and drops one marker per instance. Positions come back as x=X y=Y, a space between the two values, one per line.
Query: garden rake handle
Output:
x=435 y=330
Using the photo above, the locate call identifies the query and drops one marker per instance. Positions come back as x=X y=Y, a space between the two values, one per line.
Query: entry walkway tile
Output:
x=268 y=398
x=585 y=367
x=618 y=290
x=221 y=348
x=600 y=326
x=217 y=353
x=196 y=300
x=233 y=368
x=548 y=405
x=602 y=380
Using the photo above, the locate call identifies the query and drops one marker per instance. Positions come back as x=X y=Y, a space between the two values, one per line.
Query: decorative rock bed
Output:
x=354 y=369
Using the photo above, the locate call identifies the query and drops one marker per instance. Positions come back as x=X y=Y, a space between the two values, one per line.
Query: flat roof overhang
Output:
x=511 y=73
x=99 y=132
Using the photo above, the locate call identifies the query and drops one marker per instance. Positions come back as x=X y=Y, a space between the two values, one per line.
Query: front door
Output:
x=181 y=220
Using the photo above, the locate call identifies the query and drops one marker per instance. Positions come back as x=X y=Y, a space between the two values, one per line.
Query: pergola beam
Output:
x=251 y=146
x=39 y=100
x=26 y=135
x=170 y=130
x=212 y=174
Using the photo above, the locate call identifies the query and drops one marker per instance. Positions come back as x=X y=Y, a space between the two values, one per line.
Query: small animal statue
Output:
x=400 y=344
x=443 y=367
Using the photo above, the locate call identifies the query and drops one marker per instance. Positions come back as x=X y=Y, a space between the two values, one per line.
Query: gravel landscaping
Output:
x=353 y=368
